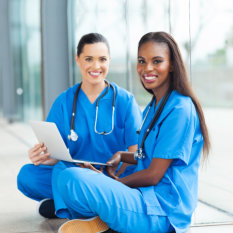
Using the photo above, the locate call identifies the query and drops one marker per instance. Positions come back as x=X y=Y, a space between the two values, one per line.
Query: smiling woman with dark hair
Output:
x=161 y=194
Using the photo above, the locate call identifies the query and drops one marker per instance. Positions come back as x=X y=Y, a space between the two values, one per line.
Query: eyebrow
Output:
x=156 y=57
x=92 y=56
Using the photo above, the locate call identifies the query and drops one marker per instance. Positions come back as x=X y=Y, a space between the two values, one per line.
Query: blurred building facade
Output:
x=38 y=40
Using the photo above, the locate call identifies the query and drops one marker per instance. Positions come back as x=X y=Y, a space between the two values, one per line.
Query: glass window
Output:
x=212 y=52
x=212 y=68
x=26 y=44
x=1 y=95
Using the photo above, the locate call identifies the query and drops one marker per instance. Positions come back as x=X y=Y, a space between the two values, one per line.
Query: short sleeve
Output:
x=132 y=123
x=176 y=133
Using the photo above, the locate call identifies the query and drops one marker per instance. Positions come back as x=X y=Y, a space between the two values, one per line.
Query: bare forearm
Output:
x=150 y=176
x=128 y=157
x=140 y=179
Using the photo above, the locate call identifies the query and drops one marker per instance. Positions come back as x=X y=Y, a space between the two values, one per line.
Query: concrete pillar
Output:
x=7 y=95
x=55 y=51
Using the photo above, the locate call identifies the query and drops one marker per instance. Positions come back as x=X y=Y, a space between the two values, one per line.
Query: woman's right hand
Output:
x=38 y=155
x=114 y=162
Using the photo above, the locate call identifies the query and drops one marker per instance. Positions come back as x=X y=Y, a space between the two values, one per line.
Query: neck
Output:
x=93 y=90
x=160 y=93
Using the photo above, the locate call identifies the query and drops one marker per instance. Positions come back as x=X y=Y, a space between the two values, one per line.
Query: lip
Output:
x=149 y=78
x=94 y=74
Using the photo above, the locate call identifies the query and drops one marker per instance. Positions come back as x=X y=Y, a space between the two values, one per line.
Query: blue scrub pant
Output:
x=35 y=181
x=40 y=182
x=80 y=192
x=87 y=194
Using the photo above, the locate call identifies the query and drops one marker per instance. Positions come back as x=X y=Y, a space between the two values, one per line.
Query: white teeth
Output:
x=95 y=73
x=150 y=77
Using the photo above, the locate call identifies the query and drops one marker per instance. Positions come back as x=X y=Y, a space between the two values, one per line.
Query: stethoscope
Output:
x=139 y=154
x=73 y=136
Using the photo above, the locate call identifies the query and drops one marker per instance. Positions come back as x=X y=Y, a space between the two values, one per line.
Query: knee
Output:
x=58 y=167
x=64 y=179
x=71 y=179
x=23 y=176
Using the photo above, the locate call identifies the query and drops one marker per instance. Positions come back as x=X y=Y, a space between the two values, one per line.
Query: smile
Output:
x=150 y=77
x=95 y=74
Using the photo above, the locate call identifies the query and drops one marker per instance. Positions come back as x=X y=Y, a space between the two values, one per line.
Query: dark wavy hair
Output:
x=179 y=78
x=91 y=38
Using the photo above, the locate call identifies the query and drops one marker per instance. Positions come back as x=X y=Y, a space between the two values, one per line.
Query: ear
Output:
x=77 y=59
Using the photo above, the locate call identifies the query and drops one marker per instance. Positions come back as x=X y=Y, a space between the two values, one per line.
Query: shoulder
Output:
x=181 y=106
x=180 y=102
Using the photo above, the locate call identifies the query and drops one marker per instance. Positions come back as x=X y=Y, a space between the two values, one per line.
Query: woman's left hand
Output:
x=89 y=166
x=114 y=162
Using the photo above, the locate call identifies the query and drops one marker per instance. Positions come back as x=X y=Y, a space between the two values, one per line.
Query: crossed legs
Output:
x=87 y=194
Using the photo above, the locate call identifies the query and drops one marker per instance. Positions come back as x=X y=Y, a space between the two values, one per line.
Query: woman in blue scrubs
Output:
x=161 y=194
x=100 y=133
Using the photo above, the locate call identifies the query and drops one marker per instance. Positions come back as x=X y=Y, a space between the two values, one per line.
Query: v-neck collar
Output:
x=156 y=107
x=87 y=99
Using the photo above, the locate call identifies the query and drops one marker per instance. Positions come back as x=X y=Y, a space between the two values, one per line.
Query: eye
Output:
x=103 y=59
x=141 y=61
x=88 y=59
x=157 y=61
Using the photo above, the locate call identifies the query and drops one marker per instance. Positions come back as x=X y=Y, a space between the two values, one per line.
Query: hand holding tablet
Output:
x=48 y=133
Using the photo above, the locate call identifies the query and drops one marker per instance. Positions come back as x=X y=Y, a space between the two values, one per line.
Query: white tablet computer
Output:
x=48 y=133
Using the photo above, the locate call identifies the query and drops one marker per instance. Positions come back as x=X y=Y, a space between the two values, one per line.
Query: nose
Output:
x=149 y=66
x=96 y=64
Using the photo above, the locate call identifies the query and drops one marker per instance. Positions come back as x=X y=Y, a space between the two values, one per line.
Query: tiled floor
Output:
x=212 y=229
x=18 y=213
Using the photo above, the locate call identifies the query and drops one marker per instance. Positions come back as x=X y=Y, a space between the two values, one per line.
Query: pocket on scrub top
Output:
x=153 y=206
x=168 y=194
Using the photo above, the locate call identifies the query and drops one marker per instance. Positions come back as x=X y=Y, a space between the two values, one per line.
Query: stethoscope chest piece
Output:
x=139 y=154
x=73 y=136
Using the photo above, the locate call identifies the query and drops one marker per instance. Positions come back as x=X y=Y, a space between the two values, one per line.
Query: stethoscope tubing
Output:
x=72 y=125
x=73 y=135
x=140 y=151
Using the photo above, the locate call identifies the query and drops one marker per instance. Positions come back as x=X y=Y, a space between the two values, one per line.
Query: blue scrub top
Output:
x=176 y=135
x=90 y=145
